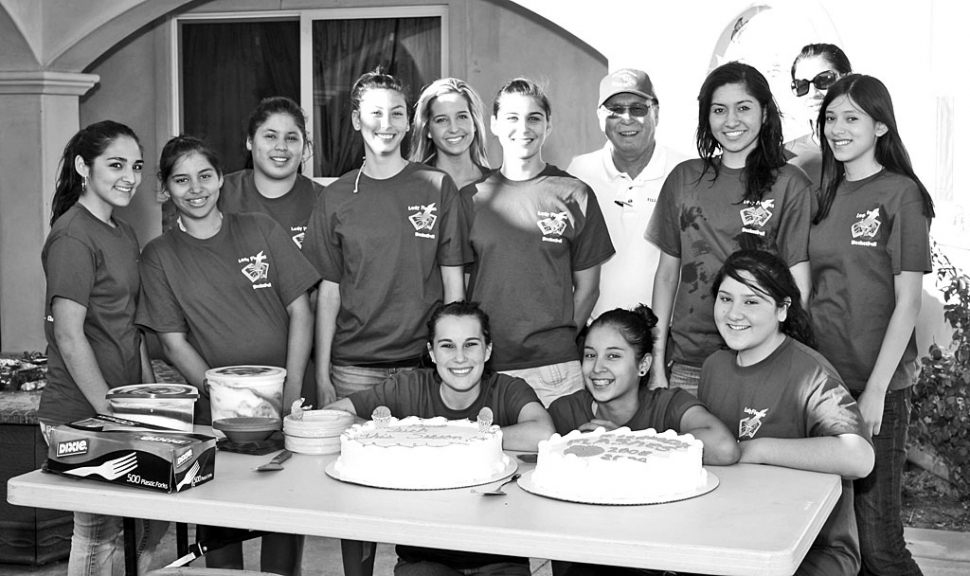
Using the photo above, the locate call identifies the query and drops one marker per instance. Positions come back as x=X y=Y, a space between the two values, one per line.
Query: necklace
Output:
x=182 y=226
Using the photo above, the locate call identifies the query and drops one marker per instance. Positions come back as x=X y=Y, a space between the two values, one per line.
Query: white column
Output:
x=38 y=115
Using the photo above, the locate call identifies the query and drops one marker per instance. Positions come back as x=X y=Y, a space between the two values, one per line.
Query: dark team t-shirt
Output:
x=228 y=293
x=291 y=210
x=383 y=242
x=529 y=237
x=874 y=230
x=96 y=265
x=793 y=393
x=703 y=221
x=660 y=409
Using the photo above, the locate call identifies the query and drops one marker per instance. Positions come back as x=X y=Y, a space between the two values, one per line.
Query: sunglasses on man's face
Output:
x=822 y=81
x=635 y=110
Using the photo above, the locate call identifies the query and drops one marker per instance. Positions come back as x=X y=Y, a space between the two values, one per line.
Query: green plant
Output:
x=941 y=411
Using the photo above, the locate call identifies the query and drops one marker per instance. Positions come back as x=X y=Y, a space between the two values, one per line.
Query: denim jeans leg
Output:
x=94 y=544
x=349 y=379
x=878 y=496
x=150 y=533
x=686 y=377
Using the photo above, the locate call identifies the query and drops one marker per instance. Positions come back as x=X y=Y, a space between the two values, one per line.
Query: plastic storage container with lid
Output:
x=245 y=391
x=168 y=405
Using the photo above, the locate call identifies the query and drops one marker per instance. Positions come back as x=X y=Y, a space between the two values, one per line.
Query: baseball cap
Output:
x=626 y=80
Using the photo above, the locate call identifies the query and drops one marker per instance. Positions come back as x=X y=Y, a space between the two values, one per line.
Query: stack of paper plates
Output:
x=317 y=431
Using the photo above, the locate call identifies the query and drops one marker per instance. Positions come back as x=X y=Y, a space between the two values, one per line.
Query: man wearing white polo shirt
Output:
x=626 y=175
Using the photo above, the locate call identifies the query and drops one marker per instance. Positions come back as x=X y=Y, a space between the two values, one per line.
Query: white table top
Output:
x=759 y=520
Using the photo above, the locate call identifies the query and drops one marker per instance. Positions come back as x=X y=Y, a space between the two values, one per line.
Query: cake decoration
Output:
x=381 y=416
x=484 y=419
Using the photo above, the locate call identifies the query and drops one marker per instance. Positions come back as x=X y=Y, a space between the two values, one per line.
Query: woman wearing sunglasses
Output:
x=815 y=69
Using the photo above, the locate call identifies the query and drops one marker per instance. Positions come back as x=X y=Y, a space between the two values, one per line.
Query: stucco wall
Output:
x=492 y=41
x=506 y=41
x=128 y=93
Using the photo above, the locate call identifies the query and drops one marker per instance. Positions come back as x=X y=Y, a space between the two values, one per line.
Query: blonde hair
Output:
x=423 y=148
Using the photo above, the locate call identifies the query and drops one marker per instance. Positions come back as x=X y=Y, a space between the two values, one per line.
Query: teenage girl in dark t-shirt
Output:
x=460 y=343
x=271 y=184
x=869 y=251
x=740 y=194
x=617 y=352
x=226 y=290
x=390 y=242
x=783 y=401
x=539 y=239
x=90 y=261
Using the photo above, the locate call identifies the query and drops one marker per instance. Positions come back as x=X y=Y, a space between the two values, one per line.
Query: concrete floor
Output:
x=937 y=552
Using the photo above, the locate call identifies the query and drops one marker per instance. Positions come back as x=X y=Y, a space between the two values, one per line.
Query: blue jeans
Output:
x=878 y=496
x=349 y=379
x=97 y=544
x=553 y=380
x=404 y=568
x=98 y=549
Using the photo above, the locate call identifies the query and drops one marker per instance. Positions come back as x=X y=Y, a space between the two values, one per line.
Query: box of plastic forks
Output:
x=131 y=454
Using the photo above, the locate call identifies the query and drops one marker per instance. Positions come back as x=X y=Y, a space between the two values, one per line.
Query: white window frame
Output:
x=305 y=19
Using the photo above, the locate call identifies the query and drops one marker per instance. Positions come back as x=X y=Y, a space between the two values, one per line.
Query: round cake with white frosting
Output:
x=620 y=465
x=418 y=453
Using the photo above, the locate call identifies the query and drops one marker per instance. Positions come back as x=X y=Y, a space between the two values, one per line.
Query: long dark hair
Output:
x=762 y=164
x=773 y=279
x=89 y=143
x=872 y=97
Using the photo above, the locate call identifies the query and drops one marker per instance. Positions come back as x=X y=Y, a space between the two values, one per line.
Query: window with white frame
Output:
x=227 y=63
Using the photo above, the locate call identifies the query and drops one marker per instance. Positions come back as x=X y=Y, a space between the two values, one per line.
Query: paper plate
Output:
x=389 y=484
x=526 y=483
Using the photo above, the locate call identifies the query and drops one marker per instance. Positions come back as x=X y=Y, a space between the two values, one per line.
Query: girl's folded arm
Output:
x=848 y=455
x=720 y=447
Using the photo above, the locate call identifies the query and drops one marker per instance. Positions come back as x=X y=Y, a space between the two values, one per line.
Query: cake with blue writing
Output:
x=417 y=453
x=621 y=465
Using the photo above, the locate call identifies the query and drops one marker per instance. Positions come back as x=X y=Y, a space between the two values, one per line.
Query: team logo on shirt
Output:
x=423 y=219
x=867 y=227
x=756 y=214
x=256 y=268
x=749 y=426
x=299 y=236
x=552 y=224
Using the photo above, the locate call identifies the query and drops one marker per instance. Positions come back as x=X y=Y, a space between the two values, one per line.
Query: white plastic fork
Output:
x=189 y=476
x=110 y=470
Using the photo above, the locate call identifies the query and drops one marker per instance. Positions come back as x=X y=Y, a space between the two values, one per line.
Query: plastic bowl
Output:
x=245 y=391
x=250 y=429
